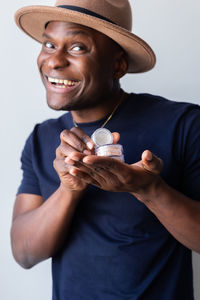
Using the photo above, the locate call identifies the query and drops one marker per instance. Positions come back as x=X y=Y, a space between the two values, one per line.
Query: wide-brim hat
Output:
x=110 y=17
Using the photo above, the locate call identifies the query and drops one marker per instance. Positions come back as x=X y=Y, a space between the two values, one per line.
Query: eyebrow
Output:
x=77 y=32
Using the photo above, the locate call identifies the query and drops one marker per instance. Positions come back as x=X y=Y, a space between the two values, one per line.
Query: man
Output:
x=114 y=230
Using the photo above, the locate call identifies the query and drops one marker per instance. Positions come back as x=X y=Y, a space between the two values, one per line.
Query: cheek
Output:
x=95 y=69
x=41 y=60
x=104 y=66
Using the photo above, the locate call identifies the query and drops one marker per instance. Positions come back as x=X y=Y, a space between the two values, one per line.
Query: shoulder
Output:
x=154 y=105
x=160 y=101
x=54 y=124
x=52 y=127
x=48 y=132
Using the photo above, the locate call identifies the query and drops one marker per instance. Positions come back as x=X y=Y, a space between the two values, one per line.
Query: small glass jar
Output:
x=110 y=150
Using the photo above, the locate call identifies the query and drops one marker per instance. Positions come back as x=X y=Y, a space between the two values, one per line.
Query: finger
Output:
x=84 y=137
x=114 y=166
x=65 y=173
x=102 y=161
x=76 y=160
x=72 y=139
x=98 y=177
x=64 y=169
x=61 y=167
x=76 y=156
x=95 y=172
x=73 y=157
x=77 y=173
x=151 y=162
x=64 y=150
x=69 y=161
x=116 y=137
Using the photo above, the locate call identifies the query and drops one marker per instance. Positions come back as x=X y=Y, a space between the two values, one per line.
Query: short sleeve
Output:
x=188 y=149
x=29 y=183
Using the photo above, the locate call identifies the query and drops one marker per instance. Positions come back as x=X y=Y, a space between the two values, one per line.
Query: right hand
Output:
x=74 y=140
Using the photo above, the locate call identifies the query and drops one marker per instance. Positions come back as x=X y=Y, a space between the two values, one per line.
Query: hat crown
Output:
x=110 y=17
x=117 y=11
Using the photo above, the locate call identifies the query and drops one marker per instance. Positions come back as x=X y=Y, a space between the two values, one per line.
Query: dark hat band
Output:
x=85 y=11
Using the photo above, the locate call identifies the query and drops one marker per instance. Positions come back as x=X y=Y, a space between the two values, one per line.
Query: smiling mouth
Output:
x=62 y=83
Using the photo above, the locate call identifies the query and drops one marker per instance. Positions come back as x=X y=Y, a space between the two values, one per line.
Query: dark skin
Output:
x=86 y=56
x=91 y=64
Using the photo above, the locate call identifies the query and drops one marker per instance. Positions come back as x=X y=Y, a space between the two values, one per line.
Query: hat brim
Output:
x=32 y=20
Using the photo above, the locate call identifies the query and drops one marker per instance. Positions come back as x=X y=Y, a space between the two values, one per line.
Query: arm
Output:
x=178 y=213
x=39 y=228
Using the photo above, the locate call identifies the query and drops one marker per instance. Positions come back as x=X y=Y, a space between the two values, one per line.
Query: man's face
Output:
x=77 y=66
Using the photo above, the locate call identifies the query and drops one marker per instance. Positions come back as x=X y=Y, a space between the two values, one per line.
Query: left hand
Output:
x=113 y=175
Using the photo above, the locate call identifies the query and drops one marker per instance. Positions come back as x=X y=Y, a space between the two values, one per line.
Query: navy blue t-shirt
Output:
x=116 y=248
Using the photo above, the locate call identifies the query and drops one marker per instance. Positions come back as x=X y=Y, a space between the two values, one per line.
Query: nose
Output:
x=58 y=60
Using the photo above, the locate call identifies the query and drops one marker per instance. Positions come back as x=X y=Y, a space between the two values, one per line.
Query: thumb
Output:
x=151 y=162
x=116 y=137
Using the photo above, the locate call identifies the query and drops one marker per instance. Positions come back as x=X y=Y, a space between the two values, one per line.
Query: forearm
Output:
x=37 y=235
x=178 y=213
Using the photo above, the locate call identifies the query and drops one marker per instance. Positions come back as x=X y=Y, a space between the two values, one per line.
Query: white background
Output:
x=171 y=27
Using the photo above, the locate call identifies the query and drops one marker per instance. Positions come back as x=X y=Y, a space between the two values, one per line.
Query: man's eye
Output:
x=48 y=45
x=77 y=48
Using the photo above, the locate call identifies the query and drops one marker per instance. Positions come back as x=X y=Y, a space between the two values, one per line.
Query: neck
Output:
x=99 y=111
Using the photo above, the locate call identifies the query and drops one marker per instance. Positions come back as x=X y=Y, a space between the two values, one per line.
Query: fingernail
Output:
x=149 y=156
x=73 y=157
x=72 y=171
x=90 y=145
x=85 y=160
x=69 y=161
x=87 y=152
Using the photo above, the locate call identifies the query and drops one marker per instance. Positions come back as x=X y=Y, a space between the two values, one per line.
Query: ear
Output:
x=120 y=65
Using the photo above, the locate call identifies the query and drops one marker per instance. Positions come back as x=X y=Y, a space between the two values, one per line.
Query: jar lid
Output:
x=102 y=136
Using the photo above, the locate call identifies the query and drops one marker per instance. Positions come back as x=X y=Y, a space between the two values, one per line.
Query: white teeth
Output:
x=50 y=79
x=62 y=81
x=61 y=86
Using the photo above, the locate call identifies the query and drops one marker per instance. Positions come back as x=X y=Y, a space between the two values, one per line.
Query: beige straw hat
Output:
x=111 y=17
